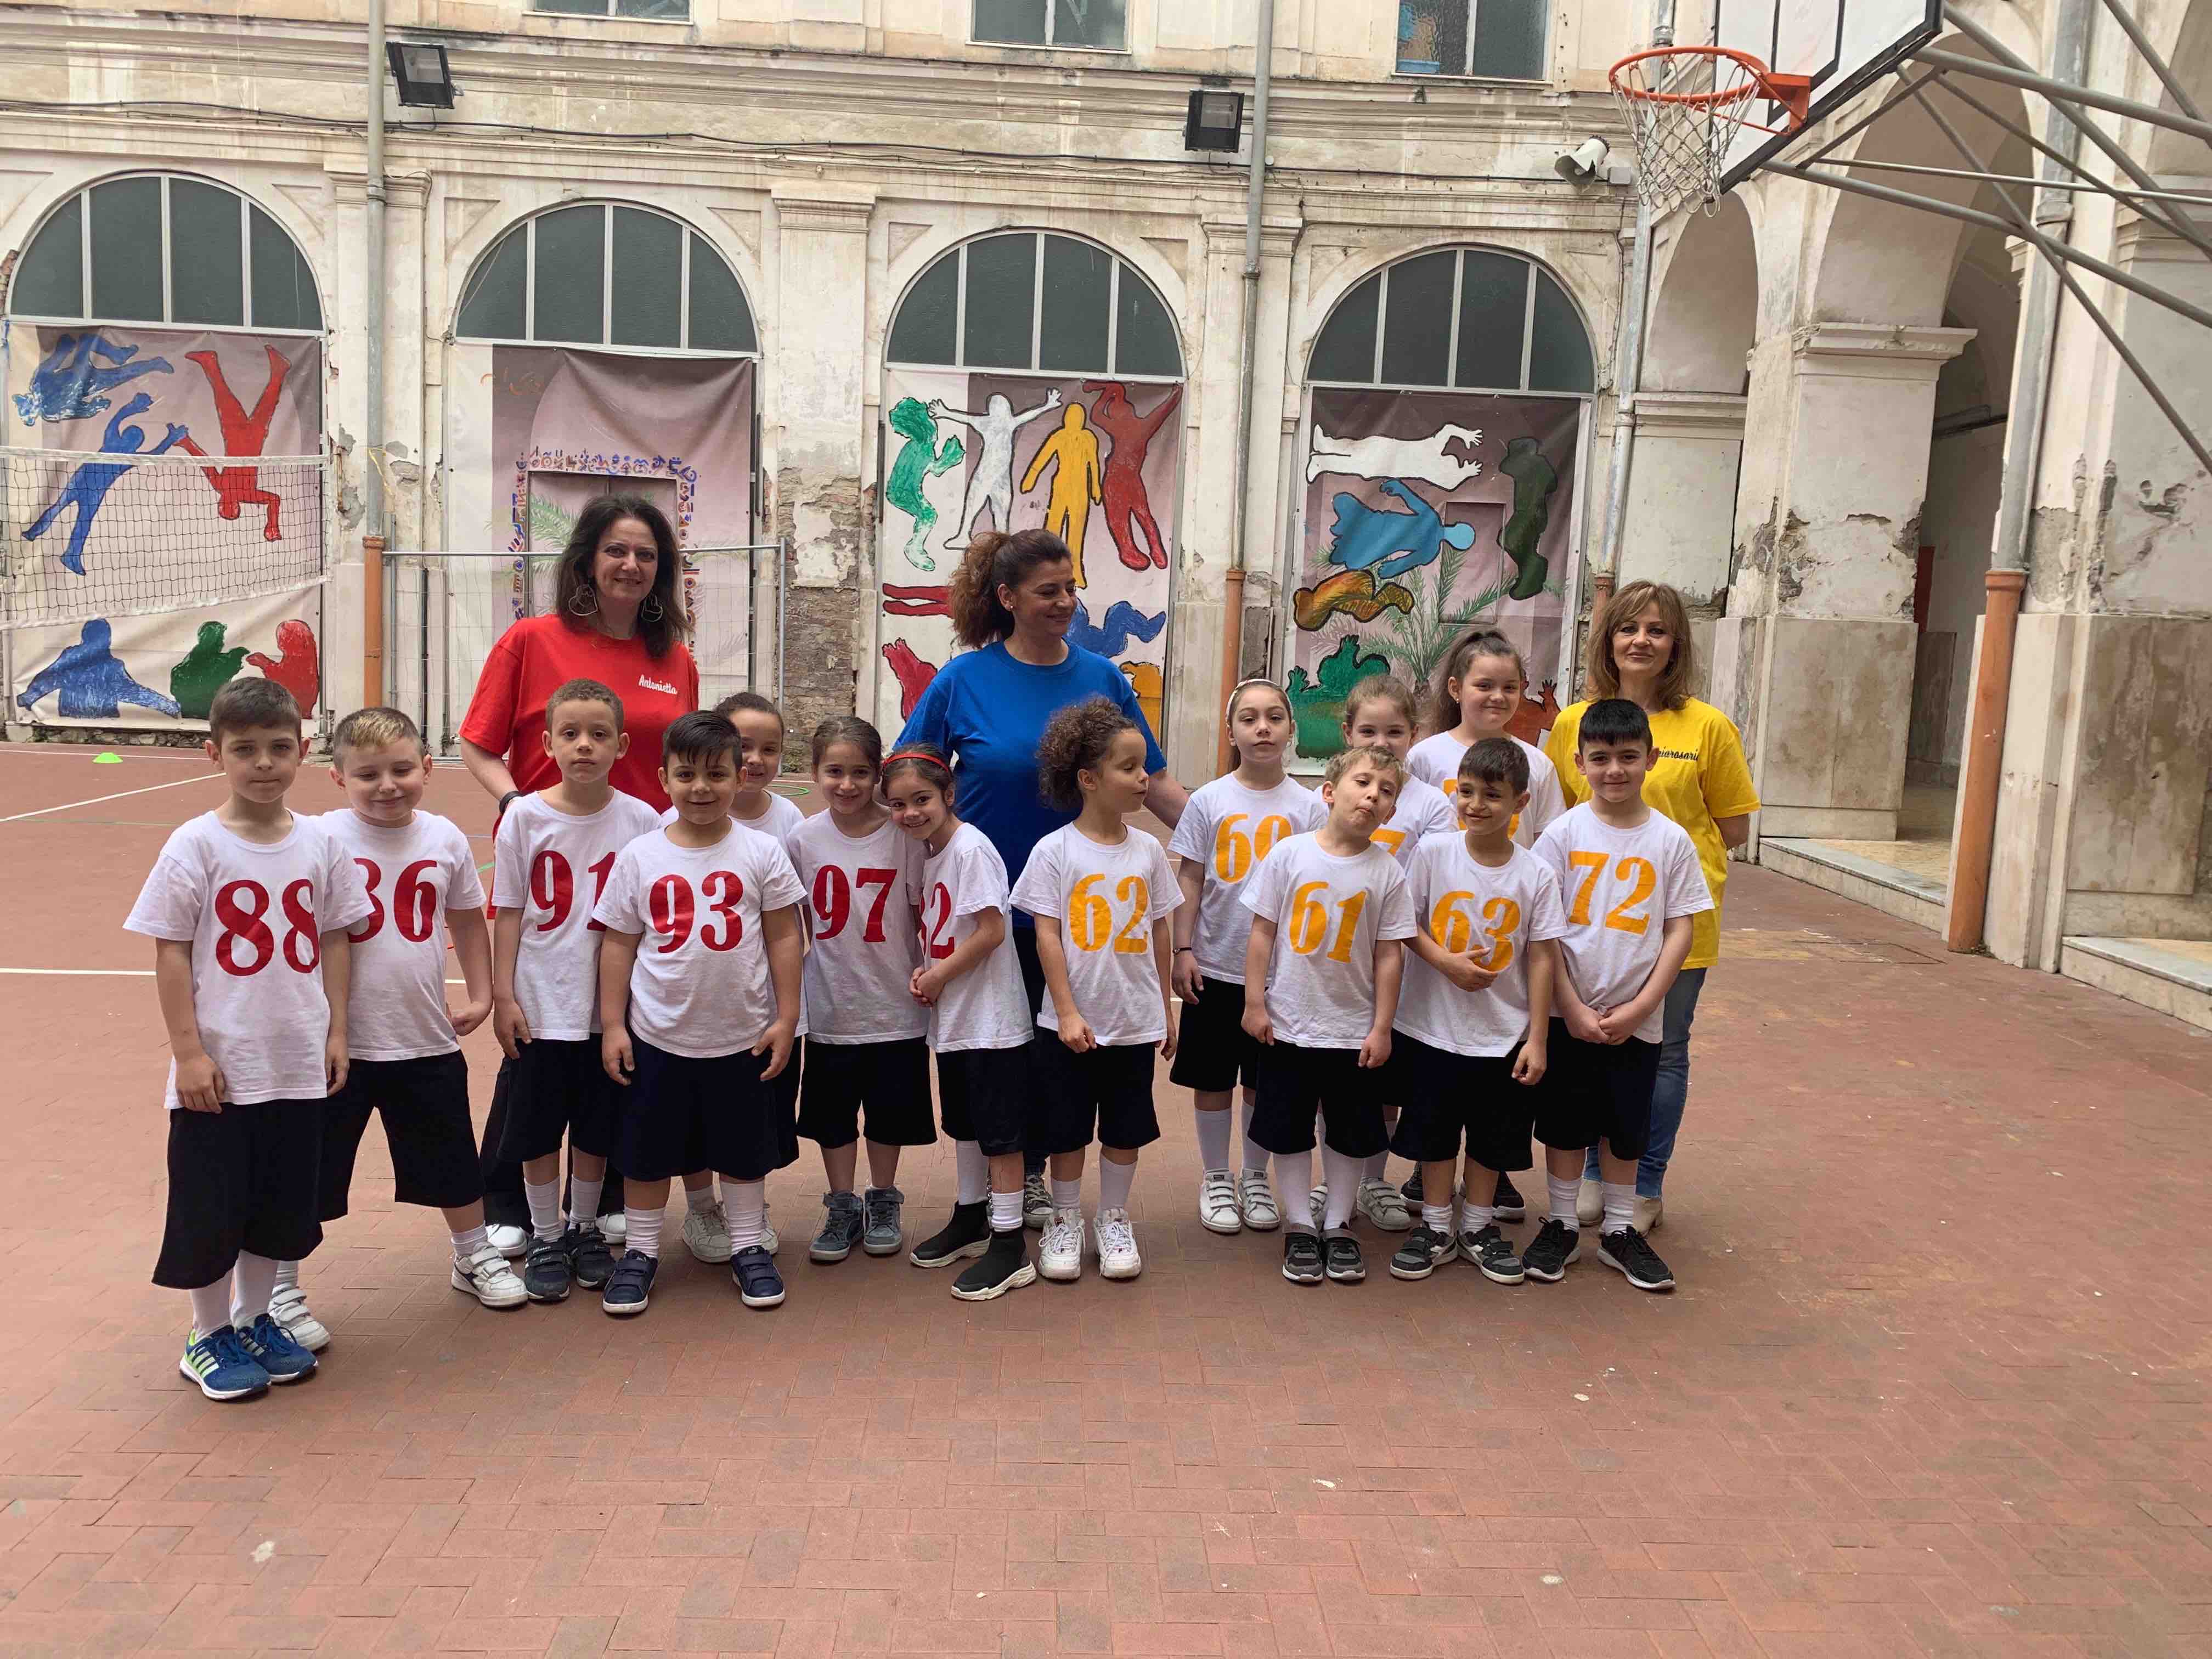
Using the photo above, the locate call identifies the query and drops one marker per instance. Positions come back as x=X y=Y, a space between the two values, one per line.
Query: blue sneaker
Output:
x=219 y=1362
x=277 y=1351
x=629 y=1288
x=759 y=1285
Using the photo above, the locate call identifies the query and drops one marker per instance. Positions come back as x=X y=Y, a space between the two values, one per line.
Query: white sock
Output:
x=1213 y=1139
x=1473 y=1217
x=1297 y=1170
x=583 y=1200
x=1437 y=1217
x=544 y=1207
x=1565 y=1190
x=973 y=1171
x=469 y=1241
x=1620 y=1205
x=211 y=1306
x=1375 y=1167
x=1065 y=1194
x=287 y=1276
x=704 y=1198
x=745 y=1202
x=642 y=1231
x=1255 y=1155
x=252 y=1281
x=1342 y=1175
x=1006 y=1211
x=1115 y=1181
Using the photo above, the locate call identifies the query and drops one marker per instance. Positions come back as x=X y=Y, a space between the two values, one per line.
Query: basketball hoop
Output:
x=1684 y=106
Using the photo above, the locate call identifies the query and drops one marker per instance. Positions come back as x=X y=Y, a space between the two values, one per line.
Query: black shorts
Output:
x=239 y=1179
x=680 y=1115
x=1295 y=1083
x=555 y=1088
x=1106 y=1090
x=425 y=1106
x=784 y=1086
x=1445 y=1098
x=1595 y=1092
x=983 y=1095
x=1213 y=1050
x=891 y=1079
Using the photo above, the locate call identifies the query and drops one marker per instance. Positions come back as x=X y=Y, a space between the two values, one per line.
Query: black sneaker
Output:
x=1340 y=1250
x=1631 y=1252
x=1301 y=1256
x=546 y=1274
x=1005 y=1266
x=1554 y=1245
x=629 y=1287
x=753 y=1271
x=841 y=1228
x=1486 y=1249
x=969 y=1233
x=1417 y=1258
x=1508 y=1204
x=1411 y=1191
x=589 y=1258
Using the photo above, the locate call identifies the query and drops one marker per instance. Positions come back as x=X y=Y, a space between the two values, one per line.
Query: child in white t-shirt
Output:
x=866 y=1041
x=404 y=1043
x=248 y=906
x=1226 y=833
x=1631 y=881
x=1474 y=1014
x=970 y=980
x=1106 y=967
x=551 y=860
x=1481 y=686
x=699 y=988
x=1321 y=974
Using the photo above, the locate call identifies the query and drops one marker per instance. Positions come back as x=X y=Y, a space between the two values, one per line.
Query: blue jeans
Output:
x=1672 y=1091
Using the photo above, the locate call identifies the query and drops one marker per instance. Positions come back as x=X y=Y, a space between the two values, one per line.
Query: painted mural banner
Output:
x=241 y=533
x=1097 y=462
x=1425 y=514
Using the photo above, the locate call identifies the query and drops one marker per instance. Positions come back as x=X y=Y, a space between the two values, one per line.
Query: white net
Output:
x=1683 y=109
x=87 y=534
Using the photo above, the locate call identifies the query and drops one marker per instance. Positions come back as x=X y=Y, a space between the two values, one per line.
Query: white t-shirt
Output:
x=1436 y=760
x=1460 y=903
x=396 y=1008
x=777 y=823
x=702 y=986
x=1620 y=888
x=1229 y=829
x=255 y=914
x=1107 y=900
x=1423 y=809
x=1329 y=912
x=861 y=894
x=541 y=860
x=987 y=1007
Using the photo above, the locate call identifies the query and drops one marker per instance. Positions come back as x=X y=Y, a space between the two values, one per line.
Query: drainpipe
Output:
x=372 y=481
x=1232 y=634
x=1983 y=771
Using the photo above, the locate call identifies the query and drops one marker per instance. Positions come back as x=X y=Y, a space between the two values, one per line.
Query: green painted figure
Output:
x=1534 y=479
x=204 y=670
x=919 y=460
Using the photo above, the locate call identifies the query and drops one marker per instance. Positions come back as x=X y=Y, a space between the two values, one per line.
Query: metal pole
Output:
x=2066 y=92
x=1255 y=193
x=2097 y=187
x=371 y=483
x=782 y=552
x=2125 y=19
x=1627 y=376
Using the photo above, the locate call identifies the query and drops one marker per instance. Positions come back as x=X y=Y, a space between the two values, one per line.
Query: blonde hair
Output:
x=1626 y=605
x=1387 y=686
x=376 y=728
x=1363 y=753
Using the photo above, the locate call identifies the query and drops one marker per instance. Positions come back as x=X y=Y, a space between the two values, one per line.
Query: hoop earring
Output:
x=590 y=609
x=653 y=609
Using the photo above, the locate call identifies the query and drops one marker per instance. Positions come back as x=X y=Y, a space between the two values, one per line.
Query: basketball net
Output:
x=1684 y=106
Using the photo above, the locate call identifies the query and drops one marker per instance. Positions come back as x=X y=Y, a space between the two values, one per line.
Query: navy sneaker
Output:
x=275 y=1349
x=546 y=1273
x=843 y=1227
x=589 y=1261
x=753 y=1271
x=886 y=1231
x=219 y=1362
x=629 y=1287
x=1509 y=1205
x=1411 y=1191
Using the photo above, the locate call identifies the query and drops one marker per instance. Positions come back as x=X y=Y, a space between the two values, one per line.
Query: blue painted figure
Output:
x=88 y=485
x=1124 y=623
x=68 y=385
x=1390 y=544
x=92 y=682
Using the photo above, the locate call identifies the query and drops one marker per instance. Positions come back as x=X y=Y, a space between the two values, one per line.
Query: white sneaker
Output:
x=1255 y=1197
x=487 y=1277
x=512 y=1243
x=1590 y=1204
x=1059 y=1252
x=1217 y=1205
x=1118 y=1244
x=613 y=1228
x=707 y=1233
x=288 y=1308
x=1384 y=1206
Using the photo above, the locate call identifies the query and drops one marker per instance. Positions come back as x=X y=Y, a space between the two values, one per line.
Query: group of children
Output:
x=687 y=996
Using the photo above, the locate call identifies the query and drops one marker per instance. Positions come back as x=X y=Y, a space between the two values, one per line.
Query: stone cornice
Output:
x=1876 y=350
x=1715 y=415
x=822 y=208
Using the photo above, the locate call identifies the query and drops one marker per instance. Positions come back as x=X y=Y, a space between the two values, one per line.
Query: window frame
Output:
x=1470 y=73
x=610 y=15
x=527 y=229
x=88 y=318
x=1047 y=44
x=1459 y=251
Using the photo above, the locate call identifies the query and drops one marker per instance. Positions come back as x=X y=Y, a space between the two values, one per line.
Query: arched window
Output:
x=1463 y=317
x=1031 y=301
x=607 y=274
x=161 y=248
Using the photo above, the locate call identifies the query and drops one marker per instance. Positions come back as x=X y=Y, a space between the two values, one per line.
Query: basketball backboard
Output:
x=1841 y=46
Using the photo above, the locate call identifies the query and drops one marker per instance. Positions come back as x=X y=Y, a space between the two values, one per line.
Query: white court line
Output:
x=69 y=806
x=108 y=973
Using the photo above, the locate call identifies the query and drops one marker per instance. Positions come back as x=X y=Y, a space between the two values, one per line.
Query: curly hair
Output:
x=1076 y=740
x=574 y=596
x=993 y=561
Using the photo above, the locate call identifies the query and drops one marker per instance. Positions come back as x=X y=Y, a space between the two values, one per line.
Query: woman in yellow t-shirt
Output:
x=1698 y=779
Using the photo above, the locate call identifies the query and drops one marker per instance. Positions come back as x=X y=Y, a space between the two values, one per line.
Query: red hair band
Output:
x=923 y=756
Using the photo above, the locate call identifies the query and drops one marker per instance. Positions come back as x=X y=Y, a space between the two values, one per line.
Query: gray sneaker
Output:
x=883 y=1206
x=841 y=1228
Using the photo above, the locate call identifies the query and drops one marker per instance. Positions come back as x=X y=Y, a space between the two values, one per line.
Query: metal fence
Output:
x=444 y=611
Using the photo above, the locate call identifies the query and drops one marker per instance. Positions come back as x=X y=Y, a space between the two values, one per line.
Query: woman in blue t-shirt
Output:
x=1011 y=602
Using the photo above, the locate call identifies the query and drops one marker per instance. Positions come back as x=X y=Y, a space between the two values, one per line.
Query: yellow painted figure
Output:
x=1075 y=484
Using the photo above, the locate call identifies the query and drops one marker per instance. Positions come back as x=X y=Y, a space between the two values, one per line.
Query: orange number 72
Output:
x=1637 y=872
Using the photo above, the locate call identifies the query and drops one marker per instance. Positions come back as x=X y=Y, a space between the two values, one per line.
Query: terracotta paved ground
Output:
x=1935 y=1383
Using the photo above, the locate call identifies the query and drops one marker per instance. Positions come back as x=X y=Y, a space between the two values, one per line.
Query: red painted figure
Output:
x=1126 y=502
x=914 y=674
x=237 y=487
x=297 y=666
